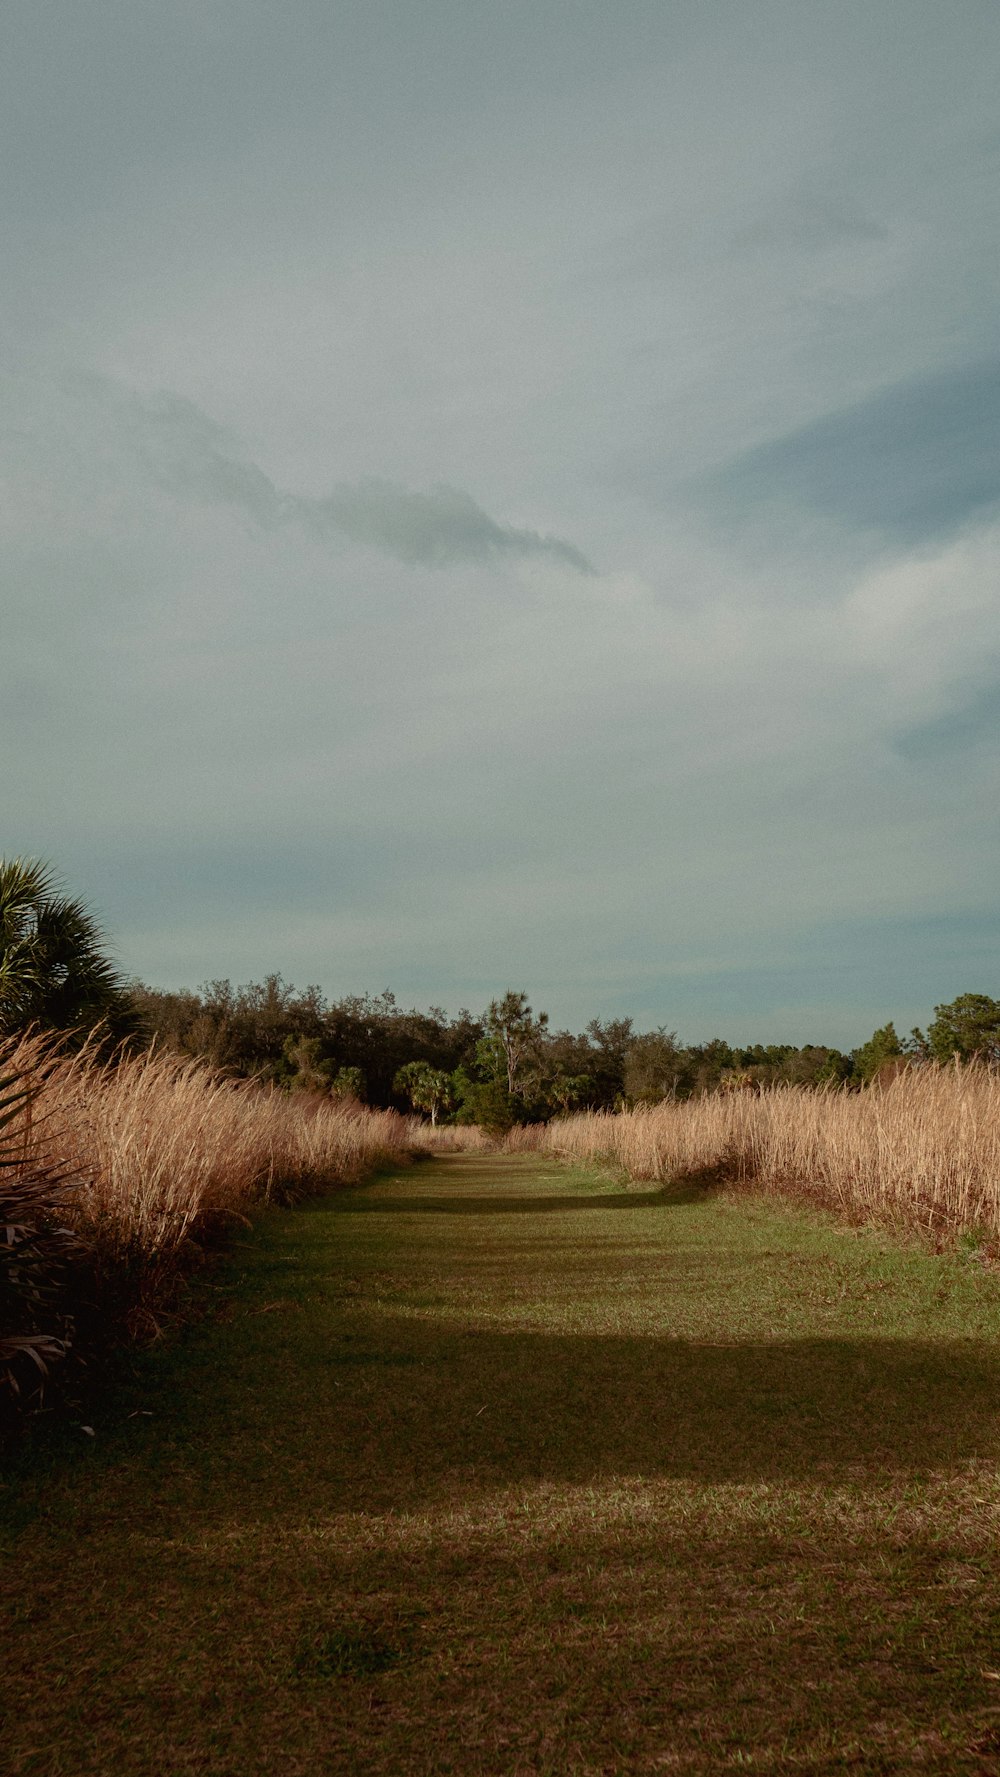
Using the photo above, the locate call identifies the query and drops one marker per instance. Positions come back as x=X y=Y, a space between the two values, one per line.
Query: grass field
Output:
x=491 y=1466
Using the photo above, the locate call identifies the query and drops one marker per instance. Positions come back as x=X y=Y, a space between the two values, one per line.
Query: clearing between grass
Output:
x=491 y=1466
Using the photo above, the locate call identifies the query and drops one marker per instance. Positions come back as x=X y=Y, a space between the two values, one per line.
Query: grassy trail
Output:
x=494 y=1467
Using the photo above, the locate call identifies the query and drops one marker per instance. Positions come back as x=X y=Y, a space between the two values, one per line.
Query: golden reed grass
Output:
x=159 y=1146
x=451 y=1138
x=110 y=1171
x=922 y=1150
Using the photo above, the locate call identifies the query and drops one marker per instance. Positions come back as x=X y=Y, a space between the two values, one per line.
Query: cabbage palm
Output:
x=53 y=970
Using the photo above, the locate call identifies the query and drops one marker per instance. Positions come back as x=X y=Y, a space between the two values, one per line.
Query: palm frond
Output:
x=54 y=970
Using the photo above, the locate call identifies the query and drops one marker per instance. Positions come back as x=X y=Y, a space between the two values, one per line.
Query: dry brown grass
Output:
x=159 y=1144
x=130 y=1162
x=452 y=1138
x=921 y=1151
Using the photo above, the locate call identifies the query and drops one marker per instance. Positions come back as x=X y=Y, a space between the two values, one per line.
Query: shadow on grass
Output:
x=383 y=1650
x=693 y=1188
x=518 y=1184
x=408 y=1410
x=498 y=1204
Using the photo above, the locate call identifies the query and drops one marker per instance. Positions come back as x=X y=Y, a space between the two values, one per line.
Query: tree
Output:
x=608 y=1041
x=484 y=1102
x=53 y=968
x=309 y=1069
x=836 y=1070
x=513 y=1041
x=426 y=1087
x=882 y=1049
x=806 y=1066
x=707 y=1062
x=966 y=1027
x=655 y=1068
x=348 y=1084
x=566 y=1092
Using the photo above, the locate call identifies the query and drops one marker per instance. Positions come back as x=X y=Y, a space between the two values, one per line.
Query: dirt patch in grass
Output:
x=494 y=1468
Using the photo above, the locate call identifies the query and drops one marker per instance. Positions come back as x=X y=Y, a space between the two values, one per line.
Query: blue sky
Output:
x=509 y=496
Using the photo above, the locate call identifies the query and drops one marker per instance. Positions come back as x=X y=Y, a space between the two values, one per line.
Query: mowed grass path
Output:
x=495 y=1467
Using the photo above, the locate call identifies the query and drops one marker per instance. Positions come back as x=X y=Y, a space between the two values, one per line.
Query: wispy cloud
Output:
x=430 y=530
x=188 y=455
x=913 y=462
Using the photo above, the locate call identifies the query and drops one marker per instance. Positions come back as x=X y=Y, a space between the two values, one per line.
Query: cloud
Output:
x=513 y=786
x=431 y=530
x=187 y=454
x=913 y=462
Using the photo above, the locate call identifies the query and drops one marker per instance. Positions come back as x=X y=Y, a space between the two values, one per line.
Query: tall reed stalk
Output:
x=922 y=1150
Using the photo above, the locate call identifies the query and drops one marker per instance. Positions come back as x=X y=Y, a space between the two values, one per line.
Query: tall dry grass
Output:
x=448 y=1138
x=161 y=1145
x=922 y=1150
x=108 y=1172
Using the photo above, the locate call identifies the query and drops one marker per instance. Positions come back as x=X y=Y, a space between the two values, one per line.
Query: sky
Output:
x=509 y=496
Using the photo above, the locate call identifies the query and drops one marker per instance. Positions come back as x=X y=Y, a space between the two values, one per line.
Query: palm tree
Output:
x=53 y=970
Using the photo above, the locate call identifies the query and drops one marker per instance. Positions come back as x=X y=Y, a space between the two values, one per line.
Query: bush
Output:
x=490 y=1105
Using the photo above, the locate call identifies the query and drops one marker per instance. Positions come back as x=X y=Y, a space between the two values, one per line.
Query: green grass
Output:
x=494 y=1467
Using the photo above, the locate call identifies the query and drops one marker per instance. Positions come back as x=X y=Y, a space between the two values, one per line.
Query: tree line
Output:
x=495 y=1068
x=507 y=1064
